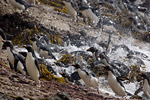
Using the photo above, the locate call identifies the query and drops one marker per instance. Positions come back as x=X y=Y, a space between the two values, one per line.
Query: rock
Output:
x=60 y=25
x=60 y=96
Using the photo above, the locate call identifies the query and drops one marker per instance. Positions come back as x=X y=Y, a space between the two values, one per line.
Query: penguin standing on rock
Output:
x=90 y=80
x=20 y=4
x=16 y=61
x=32 y=65
x=74 y=77
x=2 y=37
x=115 y=83
x=70 y=9
x=146 y=86
x=19 y=64
x=10 y=51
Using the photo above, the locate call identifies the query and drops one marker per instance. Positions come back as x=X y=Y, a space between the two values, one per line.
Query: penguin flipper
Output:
x=51 y=69
x=22 y=61
x=11 y=66
x=75 y=76
x=128 y=93
x=15 y=64
x=37 y=65
x=93 y=74
x=21 y=2
x=120 y=82
x=50 y=54
x=86 y=72
x=20 y=57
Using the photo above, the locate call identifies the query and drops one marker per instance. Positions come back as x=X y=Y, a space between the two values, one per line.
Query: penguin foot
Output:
x=74 y=19
x=98 y=90
x=38 y=84
x=23 y=77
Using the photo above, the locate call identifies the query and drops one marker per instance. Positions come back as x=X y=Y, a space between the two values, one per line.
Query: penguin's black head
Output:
x=102 y=55
x=76 y=66
x=2 y=34
x=43 y=35
x=34 y=38
x=29 y=48
x=144 y=76
x=92 y=49
x=23 y=53
x=8 y=43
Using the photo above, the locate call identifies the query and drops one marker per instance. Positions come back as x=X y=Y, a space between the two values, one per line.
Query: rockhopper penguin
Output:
x=90 y=80
x=32 y=65
x=15 y=59
x=114 y=83
x=146 y=86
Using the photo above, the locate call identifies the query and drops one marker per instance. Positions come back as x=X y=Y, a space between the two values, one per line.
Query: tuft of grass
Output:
x=46 y=75
x=55 y=39
x=23 y=38
x=66 y=59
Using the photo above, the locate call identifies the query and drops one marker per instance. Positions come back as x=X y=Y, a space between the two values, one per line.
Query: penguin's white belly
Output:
x=20 y=67
x=116 y=87
x=94 y=82
x=32 y=69
x=35 y=47
x=1 y=43
x=17 y=5
x=10 y=57
x=89 y=82
x=84 y=77
x=146 y=87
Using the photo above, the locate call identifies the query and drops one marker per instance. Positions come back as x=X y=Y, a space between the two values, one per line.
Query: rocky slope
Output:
x=14 y=86
x=49 y=20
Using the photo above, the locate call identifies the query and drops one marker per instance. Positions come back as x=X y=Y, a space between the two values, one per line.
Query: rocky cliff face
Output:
x=50 y=18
